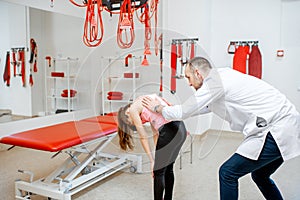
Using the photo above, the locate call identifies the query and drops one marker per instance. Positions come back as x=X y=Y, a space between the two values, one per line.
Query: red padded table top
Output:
x=107 y=119
x=60 y=136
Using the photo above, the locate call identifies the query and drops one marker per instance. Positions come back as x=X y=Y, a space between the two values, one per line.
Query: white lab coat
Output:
x=241 y=99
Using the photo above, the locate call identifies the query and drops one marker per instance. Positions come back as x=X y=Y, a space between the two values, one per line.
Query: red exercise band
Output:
x=173 y=67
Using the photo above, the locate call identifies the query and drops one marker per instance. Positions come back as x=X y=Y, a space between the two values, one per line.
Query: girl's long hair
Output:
x=125 y=129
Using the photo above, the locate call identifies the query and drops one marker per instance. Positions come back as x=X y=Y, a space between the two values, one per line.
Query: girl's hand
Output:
x=152 y=168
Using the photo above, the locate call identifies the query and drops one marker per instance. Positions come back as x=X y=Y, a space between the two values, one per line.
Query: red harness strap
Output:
x=14 y=62
x=161 y=64
x=148 y=32
x=255 y=62
x=93 y=26
x=32 y=61
x=239 y=59
x=125 y=25
x=192 y=55
x=173 y=67
x=154 y=5
x=179 y=50
x=6 y=75
x=22 y=59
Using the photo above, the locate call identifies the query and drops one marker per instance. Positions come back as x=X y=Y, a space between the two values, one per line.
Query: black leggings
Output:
x=171 y=138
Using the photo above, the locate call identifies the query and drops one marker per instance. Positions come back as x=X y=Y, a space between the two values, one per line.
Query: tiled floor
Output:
x=196 y=181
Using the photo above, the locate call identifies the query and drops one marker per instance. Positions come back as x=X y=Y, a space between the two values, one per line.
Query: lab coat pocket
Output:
x=261 y=122
x=254 y=125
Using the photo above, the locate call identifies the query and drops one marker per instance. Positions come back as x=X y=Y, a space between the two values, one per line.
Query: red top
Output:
x=156 y=120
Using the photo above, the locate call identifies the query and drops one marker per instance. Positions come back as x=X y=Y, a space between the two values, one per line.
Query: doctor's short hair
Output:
x=202 y=64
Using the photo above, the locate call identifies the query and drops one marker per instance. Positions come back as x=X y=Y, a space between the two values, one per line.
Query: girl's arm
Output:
x=155 y=135
x=135 y=115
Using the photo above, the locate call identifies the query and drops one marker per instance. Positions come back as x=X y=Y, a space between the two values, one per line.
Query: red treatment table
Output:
x=87 y=164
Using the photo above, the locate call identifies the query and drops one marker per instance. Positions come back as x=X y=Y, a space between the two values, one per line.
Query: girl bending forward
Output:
x=168 y=137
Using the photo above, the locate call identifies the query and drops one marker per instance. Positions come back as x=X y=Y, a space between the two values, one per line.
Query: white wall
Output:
x=4 y=47
x=62 y=7
x=190 y=19
x=14 y=34
x=289 y=66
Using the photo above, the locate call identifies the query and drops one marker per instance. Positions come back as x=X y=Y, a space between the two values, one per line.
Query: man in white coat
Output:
x=269 y=121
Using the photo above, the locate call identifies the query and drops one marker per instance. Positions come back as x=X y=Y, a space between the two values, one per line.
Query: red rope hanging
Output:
x=145 y=19
x=93 y=26
x=154 y=11
x=150 y=10
x=147 y=31
x=125 y=25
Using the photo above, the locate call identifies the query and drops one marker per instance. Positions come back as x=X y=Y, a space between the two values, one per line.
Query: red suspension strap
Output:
x=147 y=31
x=93 y=25
x=33 y=60
x=14 y=62
x=125 y=25
x=150 y=10
x=6 y=75
x=18 y=60
x=181 y=58
x=173 y=67
x=147 y=36
x=255 y=62
x=179 y=50
x=21 y=58
x=145 y=19
x=161 y=65
x=192 y=55
x=154 y=11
